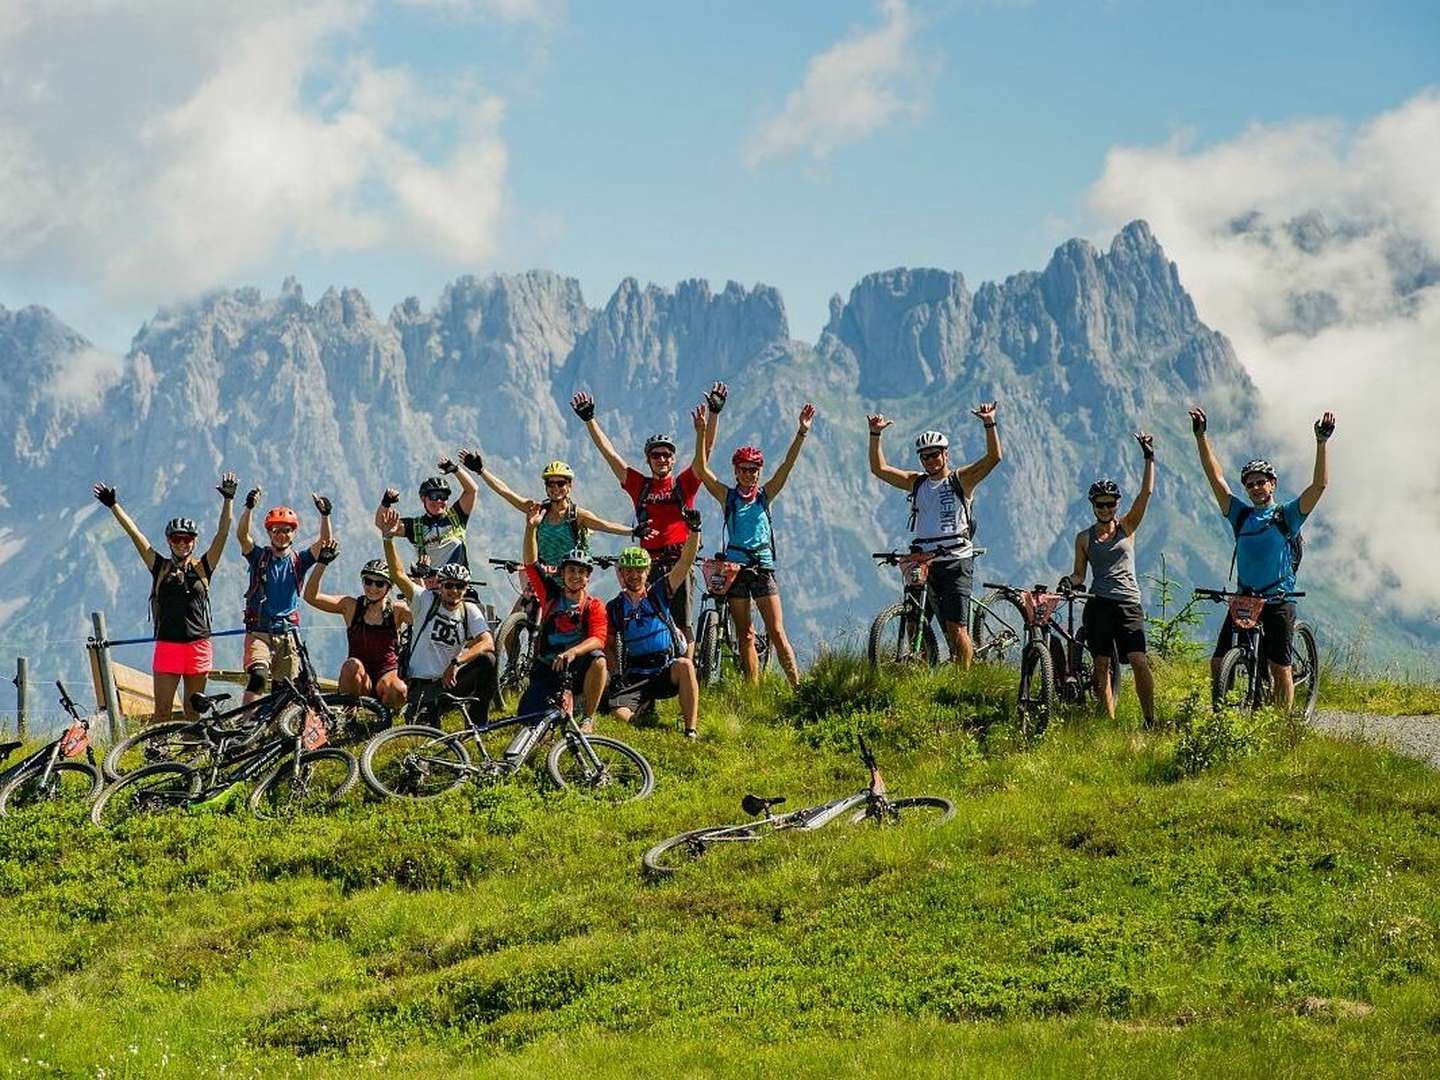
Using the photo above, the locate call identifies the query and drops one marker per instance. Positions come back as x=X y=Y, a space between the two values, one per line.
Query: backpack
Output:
x=255 y=592
x=615 y=613
x=159 y=570
x=1294 y=541
x=955 y=486
x=732 y=506
x=642 y=501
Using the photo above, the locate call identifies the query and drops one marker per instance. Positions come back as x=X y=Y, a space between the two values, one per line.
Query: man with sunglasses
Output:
x=1266 y=545
x=438 y=532
x=372 y=629
x=451 y=648
x=941 y=517
x=1114 y=620
x=659 y=499
x=272 y=600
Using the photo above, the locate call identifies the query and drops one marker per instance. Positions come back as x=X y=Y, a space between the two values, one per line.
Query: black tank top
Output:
x=180 y=599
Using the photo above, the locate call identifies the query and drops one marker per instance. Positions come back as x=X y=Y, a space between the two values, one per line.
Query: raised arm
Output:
x=106 y=494
x=584 y=406
x=336 y=605
x=1136 y=513
x=226 y=488
x=468 y=488
x=1324 y=428
x=323 y=506
x=716 y=397
x=702 y=455
x=530 y=546
x=1208 y=461
x=387 y=520
x=781 y=474
x=900 y=478
x=594 y=521
x=680 y=572
x=472 y=460
x=242 y=528
x=981 y=467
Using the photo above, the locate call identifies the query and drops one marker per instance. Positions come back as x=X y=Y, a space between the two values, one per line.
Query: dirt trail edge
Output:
x=1414 y=736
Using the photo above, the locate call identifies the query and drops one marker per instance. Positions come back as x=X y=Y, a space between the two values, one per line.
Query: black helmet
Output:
x=1259 y=465
x=1104 y=487
x=435 y=487
x=659 y=440
x=453 y=572
x=376 y=568
x=180 y=527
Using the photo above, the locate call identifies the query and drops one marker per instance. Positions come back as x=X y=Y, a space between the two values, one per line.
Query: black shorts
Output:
x=753 y=582
x=634 y=691
x=1278 y=623
x=951 y=583
x=680 y=599
x=545 y=680
x=1113 y=626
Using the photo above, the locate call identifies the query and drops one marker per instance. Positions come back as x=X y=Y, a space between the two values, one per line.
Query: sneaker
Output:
x=691 y=733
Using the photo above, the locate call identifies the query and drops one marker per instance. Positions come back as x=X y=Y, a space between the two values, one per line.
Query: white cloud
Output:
x=542 y=12
x=258 y=129
x=81 y=379
x=1316 y=249
x=858 y=86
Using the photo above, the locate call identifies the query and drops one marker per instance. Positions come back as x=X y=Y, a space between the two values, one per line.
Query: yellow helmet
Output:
x=557 y=469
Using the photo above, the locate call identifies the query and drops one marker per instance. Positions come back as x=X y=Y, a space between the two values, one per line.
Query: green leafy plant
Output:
x=1169 y=637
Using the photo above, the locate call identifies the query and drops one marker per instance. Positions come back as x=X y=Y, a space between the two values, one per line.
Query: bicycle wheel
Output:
x=997 y=629
x=319 y=780
x=69 y=781
x=623 y=774
x=413 y=762
x=153 y=789
x=1037 y=690
x=707 y=648
x=175 y=740
x=1238 y=681
x=893 y=639
x=762 y=651
x=1305 y=669
x=922 y=810
x=516 y=642
x=669 y=856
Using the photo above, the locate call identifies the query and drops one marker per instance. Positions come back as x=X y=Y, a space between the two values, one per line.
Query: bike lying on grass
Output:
x=1055 y=663
x=904 y=633
x=871 y=804
x=421 y=761
x=1244 y=674
x=48 y=775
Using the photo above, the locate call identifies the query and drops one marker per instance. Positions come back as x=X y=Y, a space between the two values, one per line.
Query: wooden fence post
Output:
x=100 y=657
x=22 y=696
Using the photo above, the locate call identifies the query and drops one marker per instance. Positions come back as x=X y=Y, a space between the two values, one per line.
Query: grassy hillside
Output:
x=1093 y=909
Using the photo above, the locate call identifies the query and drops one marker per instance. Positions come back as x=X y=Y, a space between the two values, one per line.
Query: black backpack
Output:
x=1294 y=541
x=642 y=502
x=955 y=486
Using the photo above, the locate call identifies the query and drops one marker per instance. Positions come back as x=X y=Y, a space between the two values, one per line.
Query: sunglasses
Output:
x=1259 y=481
x=453 y=586
x=375 y=583
x=181 y=538
x=281 y=529
x=1109 y=504
x=661 y=455
x=559 y=483
x=931 y=455
x=747 y=468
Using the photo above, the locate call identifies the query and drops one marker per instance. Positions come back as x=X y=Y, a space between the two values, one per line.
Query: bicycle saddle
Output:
x=754 y=804
x=202 y=703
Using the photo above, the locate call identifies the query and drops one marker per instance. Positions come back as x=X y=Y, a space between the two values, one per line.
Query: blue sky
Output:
x=628 y=132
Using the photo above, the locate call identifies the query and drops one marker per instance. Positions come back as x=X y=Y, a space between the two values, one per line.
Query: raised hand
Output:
x=643 y=533
x=1325 y=427
x=534 y=514
x=472 y=460
x=807 y=416
x=106 y=494
x=390 y=498
x=986 y=411
x=878 y=422
x=322 y=504
x=1198 y=420
x=445 y=465
x=533 y=504
x=584 y=406
x=328 y=553
x=717 y=396
x=1147 y=444
x=697 y=417
x=227 y=486
x=388 y=521
x=252 y=497
x=691 y=517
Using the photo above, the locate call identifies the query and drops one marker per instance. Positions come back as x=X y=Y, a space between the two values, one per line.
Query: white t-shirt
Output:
x=941 y=518
x=443 y=635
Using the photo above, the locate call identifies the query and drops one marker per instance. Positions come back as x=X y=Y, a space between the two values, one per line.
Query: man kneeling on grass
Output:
x=647 y=651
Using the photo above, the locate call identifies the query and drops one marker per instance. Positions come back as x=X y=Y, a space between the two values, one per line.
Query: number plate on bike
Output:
x=313 y=735
x=75 y=741
x=720 y=575
x=915 y=569
x=1245 y=611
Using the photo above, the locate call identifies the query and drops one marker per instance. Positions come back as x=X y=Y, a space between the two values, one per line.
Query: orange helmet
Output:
x=281 y=515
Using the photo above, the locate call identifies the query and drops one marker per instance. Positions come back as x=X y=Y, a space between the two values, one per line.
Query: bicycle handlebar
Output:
x=893 y=557
x=510 y=566
x=1220 y=594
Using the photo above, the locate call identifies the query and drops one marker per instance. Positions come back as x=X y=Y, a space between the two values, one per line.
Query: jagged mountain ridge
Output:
x=325 y=396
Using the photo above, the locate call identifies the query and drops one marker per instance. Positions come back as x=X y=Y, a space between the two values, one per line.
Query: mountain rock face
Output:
x=299 y=397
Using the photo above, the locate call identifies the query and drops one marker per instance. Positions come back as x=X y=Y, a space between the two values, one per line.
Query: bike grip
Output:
x=993 y=585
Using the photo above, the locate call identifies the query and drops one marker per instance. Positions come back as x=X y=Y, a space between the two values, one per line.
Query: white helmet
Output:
x=931 y=440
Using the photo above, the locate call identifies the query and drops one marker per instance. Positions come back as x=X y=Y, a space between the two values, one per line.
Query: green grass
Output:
x=1090 y=911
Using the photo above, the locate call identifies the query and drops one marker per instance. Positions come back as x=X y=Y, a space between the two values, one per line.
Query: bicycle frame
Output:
x=72 y=743
x=1038 y=607
x=1246 y=611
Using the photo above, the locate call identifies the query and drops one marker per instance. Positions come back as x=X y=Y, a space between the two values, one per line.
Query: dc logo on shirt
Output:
x=444 y=632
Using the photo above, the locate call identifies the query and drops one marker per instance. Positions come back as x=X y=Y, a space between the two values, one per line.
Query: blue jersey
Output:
x=644 y=627
x=749 y=539
x=279 y=593
x=1263 y=562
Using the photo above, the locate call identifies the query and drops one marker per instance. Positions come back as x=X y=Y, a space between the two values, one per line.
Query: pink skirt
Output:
x=183 y=657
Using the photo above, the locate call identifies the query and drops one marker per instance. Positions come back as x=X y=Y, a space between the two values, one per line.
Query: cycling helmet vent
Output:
x=435 y=487
x=931 y=440
x=181 y=526
x=454 y=572
x=1104 y=487
x=654 y=442
x=1257 y=465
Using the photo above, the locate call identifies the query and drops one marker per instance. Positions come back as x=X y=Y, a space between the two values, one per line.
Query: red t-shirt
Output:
x=664 y=514
x=572 y=623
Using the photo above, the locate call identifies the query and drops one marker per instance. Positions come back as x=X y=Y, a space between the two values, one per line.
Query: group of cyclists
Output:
x=416 y=632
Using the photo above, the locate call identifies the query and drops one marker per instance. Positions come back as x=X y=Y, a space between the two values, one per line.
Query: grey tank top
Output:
x=1113 y=562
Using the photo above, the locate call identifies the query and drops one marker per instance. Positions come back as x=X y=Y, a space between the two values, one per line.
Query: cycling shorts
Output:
x=951 y=583
x=1113 y=626
x=1278 y=623
x=634 y=692
x=545 y=680
x=753 y=582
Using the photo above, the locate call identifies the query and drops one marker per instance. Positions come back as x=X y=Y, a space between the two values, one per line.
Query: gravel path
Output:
x=1415 y=736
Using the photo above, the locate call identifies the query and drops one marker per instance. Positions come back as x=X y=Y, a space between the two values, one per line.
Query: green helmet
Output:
x=634 y=558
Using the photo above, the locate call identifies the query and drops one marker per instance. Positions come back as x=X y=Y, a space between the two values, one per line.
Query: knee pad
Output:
x=259 y=676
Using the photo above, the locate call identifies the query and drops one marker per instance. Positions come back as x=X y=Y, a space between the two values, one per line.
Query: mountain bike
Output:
x=421 y=761
x=294 y=773
x=49 y=774
x=716 y=643
x=904 y=633
x=870 y=804
x=1055 y=662
x=348 y=719
x=1244 y=674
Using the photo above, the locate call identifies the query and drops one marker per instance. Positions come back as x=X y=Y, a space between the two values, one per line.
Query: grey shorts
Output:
x=951 y=583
